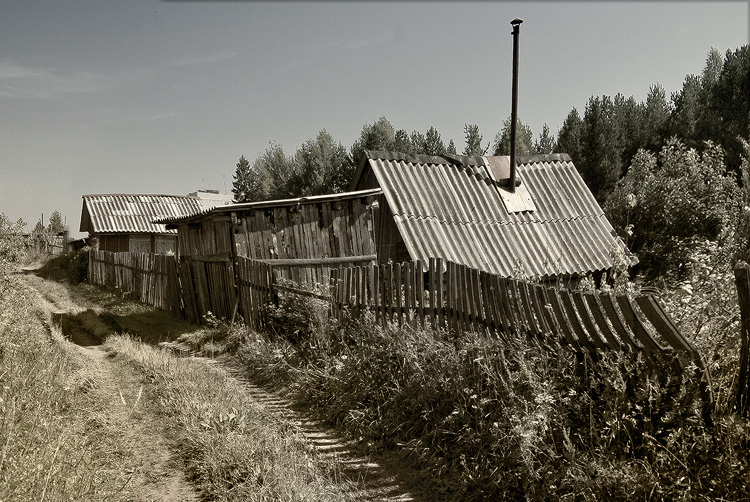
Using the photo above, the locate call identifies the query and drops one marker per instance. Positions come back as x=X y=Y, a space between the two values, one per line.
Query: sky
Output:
x=147 y=96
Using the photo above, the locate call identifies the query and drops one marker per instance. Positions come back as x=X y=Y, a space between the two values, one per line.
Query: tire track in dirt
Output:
x=150 y=467
x=371 y=479
x=156 y=475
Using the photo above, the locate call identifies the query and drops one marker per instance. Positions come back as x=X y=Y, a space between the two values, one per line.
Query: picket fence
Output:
x=149 y=278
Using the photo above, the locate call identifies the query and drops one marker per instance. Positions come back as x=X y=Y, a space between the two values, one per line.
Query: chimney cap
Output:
x=516 y=21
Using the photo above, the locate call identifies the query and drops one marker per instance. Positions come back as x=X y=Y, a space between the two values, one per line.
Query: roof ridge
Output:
x=501 y=222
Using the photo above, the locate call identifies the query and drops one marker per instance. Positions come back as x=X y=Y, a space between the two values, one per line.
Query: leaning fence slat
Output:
x=408 y=290
x=586 y=319
x=601 y=321
x=624 y=334
x=546 y=307
x=635 y=323
x=439 y=292
x=562 y=320
x=662 y=324
x=575 y=322
x=431 y=281
x=481 y=317
x=420 y=291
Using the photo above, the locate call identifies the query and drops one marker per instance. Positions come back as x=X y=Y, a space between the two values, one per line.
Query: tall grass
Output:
x=512 y=418
x=49 y=448
x=231 y=448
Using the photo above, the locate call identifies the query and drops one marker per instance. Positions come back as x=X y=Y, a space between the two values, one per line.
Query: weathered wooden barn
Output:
x=302 y=238
x=319 y=231
x=415 y=207
x=124 y=222
x=462 y=209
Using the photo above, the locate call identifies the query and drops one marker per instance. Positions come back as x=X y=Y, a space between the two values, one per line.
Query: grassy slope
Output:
x=68 y=434
x=51 y=445
x=510 y=419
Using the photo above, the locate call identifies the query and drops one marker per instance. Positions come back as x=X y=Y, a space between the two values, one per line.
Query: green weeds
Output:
x=49 y=447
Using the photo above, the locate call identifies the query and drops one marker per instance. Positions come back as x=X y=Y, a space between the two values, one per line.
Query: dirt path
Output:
x=370 y=479
x=154 y=474
x=151 y=471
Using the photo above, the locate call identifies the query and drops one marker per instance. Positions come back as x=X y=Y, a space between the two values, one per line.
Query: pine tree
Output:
x=545 y=143
x=242 y=184
x=524 y=139
x=473 y=140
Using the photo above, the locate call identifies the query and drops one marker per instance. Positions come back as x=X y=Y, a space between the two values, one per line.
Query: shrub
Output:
x=12 y=245
x=664 y=204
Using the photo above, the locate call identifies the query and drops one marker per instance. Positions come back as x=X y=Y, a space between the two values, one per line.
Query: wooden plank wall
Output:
x=255 y=280
x=148 y=278
x=210 y=237
x=208 y=285
x=306 y=231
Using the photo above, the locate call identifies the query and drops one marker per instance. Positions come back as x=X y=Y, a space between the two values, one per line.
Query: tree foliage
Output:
x=473 y=140
x=545 y=143
x=379 y=135
x=322 y=166
x=246 y=182
x=11 y=239
x=668 y=201
x=56 y=223
x=524 y=139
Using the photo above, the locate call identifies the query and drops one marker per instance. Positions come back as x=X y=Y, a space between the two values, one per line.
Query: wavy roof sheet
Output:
x=134 y=213
x=450 y=207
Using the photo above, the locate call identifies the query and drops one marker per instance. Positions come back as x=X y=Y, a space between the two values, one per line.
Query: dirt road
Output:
x=154 y=471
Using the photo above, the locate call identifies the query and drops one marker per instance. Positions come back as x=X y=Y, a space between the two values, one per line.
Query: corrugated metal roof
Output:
x=313 y=199
x=451 y=207
x=134 y=213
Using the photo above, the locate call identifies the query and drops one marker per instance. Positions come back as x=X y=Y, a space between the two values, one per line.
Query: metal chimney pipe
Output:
x=514 y=106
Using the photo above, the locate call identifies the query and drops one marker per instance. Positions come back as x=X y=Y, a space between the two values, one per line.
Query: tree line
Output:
x=668 y=171
x=323 y=165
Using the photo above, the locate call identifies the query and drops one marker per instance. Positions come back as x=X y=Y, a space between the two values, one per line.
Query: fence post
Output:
x=742 y=282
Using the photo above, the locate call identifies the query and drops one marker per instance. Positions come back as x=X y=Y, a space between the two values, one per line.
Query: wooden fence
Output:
x=148 y=278
x=207 y=285
x=459 y=298
x=448 y=296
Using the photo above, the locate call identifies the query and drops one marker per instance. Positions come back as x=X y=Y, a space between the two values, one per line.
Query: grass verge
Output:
x=51 y=446
x=507 y=419
x=230 y=448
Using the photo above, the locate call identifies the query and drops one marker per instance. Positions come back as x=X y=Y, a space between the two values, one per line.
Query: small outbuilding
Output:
x=124 y=222
x=463 y=209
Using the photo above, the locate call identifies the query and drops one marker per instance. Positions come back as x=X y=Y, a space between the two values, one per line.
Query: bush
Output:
x=12 y=245
x=663 y=205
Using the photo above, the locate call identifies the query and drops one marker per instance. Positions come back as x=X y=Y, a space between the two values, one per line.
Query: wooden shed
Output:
x=123 y=222
x=461 y=209
x=303 y=237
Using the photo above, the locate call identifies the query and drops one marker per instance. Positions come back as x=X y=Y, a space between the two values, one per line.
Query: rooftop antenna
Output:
x=516 y=23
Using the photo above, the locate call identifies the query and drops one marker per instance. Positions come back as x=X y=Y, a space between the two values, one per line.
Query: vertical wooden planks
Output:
x=397 y=284
x=420 y=291
x=432 y=280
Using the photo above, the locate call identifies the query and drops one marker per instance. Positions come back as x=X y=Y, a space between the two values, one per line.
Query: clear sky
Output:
x=142 y=96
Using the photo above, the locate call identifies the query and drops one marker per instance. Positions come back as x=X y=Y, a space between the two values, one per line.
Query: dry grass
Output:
x=494 y=419
x=51 y=446
x=231 y=449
